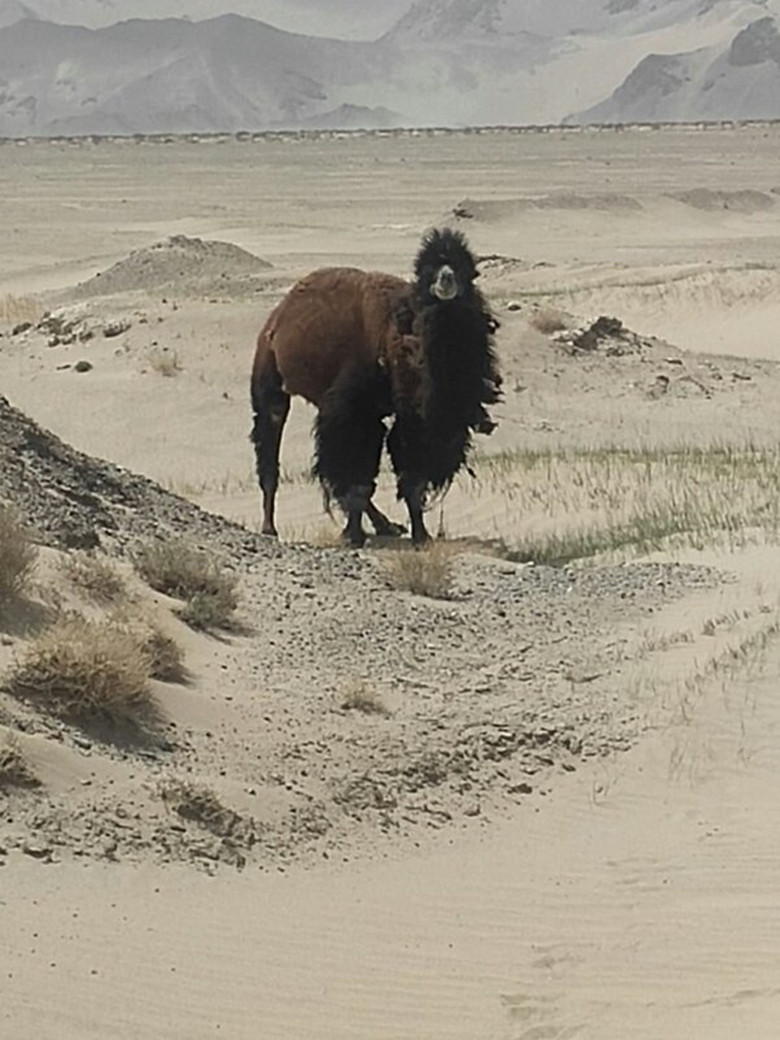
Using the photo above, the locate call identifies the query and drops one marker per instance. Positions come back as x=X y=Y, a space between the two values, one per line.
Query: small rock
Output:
x=659 y=386
x=82 y=366
x=110 y=849
x=41 y=852
x=23 y=326
x=115 y=328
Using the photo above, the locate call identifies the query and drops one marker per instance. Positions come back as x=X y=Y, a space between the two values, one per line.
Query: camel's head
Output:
x=445 y=267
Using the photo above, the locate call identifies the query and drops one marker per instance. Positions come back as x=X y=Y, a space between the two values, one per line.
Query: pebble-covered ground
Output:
x=342 y=706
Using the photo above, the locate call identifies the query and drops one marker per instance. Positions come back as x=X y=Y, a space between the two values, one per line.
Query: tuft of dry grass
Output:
x=96 y=577
x=165 y=362
x=179 y=569
x=15 y=770
x=210 y=609
x=357 y=695
x=85 y=669
x=18 y=555
x=424 y=572
x=548 y=320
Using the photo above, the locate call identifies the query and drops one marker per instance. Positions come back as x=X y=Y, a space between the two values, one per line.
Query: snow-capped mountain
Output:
x=442 y=62
x=740 y=81
x=166 y=75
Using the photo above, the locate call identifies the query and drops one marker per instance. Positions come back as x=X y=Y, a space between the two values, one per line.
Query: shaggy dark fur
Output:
x=429 y=443
x=362 y=347
x=348 y=436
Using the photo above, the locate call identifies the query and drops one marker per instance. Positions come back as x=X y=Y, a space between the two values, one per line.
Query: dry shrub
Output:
x=548 y=320
x=210 y=609
x=425 y=572
x=324 y=536
x=15 y=771
x=96 y=577
x=86 y=669
x=357 y=695
x=17 y=555
x=180 y=569
x=165 y=362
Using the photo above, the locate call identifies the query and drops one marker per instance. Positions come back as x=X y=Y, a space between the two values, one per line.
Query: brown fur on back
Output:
x=334 y=319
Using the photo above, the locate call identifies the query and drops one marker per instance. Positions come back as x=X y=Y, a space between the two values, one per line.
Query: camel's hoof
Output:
x=391 y=530
x=269 y=532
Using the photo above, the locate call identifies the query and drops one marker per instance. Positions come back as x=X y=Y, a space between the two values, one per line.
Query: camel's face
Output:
x=445 y=267
x=445 y=284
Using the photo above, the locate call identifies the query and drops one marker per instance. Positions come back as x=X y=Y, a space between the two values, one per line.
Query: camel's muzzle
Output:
x=446 y=285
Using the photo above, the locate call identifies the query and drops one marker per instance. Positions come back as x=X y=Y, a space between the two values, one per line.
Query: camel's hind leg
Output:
x=349 y=435
x=271 y=406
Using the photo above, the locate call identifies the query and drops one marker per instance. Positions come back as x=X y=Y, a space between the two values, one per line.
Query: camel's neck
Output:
x=460 y=360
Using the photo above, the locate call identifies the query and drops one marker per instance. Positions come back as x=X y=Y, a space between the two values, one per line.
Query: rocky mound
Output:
x=181 y=264
x=74 y=501
x=605 y=335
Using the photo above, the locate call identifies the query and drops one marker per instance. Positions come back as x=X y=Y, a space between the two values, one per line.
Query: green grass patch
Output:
x=573 y=504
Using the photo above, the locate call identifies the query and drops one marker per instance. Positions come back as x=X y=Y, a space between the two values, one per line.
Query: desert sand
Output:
x=562 y=822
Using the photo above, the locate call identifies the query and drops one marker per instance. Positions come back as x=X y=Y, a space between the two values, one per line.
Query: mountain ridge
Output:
x=443 y=62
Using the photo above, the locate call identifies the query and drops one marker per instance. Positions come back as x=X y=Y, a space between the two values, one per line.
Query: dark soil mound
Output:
x=72 y=500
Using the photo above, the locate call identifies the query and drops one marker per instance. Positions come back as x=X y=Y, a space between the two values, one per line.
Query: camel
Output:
x=365 y=347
